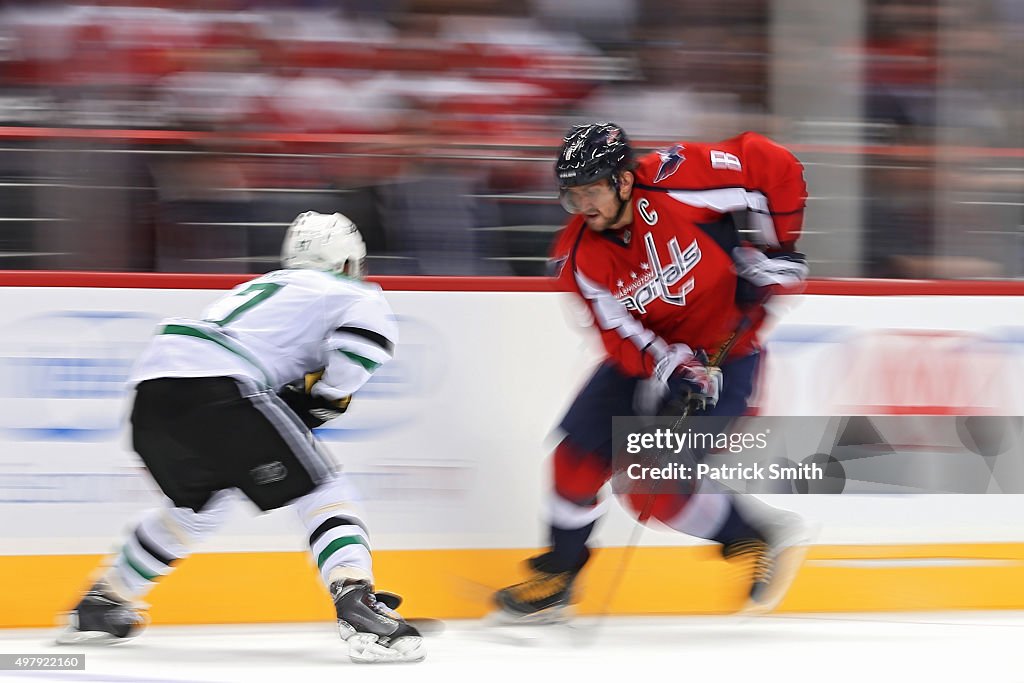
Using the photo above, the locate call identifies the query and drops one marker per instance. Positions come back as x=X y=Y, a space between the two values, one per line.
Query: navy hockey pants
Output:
x=583 y=460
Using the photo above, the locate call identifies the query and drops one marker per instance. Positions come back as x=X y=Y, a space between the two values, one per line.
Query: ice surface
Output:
x=827 y=648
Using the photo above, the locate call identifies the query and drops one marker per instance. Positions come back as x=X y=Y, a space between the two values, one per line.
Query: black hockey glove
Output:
x=314 y=411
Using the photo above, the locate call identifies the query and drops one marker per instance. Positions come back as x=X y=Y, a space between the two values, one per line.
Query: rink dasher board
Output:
x=448 y=444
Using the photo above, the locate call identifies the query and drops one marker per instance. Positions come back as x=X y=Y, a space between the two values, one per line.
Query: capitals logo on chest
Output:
x=660 y=280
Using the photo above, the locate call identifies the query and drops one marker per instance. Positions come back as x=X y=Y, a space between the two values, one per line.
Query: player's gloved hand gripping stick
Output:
x=695 y=401
x=313 y=410
x=681 y=377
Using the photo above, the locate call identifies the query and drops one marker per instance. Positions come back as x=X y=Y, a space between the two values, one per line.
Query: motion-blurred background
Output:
x=184 y=136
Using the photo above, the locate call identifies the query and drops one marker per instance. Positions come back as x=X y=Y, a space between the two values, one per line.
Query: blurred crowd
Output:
x=432 y=123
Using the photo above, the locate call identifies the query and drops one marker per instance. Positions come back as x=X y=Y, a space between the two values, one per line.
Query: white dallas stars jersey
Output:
x=277 y=328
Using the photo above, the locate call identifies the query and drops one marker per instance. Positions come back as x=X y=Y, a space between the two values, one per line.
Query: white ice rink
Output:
x=909 y=648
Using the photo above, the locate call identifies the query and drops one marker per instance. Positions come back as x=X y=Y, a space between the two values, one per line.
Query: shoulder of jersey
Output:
x=326 y=280
x=685 y=165
x=567 y=237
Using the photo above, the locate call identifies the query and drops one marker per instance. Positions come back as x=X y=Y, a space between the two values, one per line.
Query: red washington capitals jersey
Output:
x=664 y=278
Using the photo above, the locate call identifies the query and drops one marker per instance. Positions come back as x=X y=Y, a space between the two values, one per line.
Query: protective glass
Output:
x=581 y=199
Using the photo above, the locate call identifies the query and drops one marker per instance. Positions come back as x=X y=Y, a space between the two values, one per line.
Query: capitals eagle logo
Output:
x=671 y=159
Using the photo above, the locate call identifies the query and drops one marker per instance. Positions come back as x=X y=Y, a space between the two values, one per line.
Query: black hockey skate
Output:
x=374 y=631
x=544 y=598
x=101 y=619
x=772 y=561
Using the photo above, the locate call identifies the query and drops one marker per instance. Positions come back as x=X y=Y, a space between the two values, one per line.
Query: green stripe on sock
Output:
x=139 y=569
x=336 y=544
x=368 y=364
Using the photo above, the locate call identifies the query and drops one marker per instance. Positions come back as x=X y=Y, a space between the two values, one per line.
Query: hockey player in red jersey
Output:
x=675 y=255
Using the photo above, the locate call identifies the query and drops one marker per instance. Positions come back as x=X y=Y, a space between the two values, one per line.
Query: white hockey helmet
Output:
x=330 y=242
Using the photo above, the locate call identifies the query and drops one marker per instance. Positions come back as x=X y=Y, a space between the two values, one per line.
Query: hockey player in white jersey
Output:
x=226 y=404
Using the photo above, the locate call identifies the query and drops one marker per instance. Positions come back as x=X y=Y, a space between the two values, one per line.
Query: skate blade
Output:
x=363 y=648
x=72 y=636
x=552 y=616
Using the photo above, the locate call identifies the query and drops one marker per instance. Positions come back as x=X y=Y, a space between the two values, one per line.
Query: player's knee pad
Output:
x=578 y=474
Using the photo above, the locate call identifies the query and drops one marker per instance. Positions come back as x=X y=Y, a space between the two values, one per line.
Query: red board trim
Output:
x=834 y=287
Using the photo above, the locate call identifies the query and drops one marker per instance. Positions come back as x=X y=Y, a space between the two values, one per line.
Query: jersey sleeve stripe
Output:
x=728 y=199
x=359 y=346
x=612 y=315
x=725 y=200
x=757 y=268
x=369 y=335
x=366 y=363
x=778 y=213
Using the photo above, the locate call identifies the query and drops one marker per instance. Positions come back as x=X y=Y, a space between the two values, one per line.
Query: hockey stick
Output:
x=650 y=496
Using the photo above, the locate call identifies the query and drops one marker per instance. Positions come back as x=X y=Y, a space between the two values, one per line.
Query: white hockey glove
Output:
x=762 y=270
x=680 y=377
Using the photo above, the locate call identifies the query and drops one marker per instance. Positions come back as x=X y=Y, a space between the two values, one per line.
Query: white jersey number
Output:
x=230 y=307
